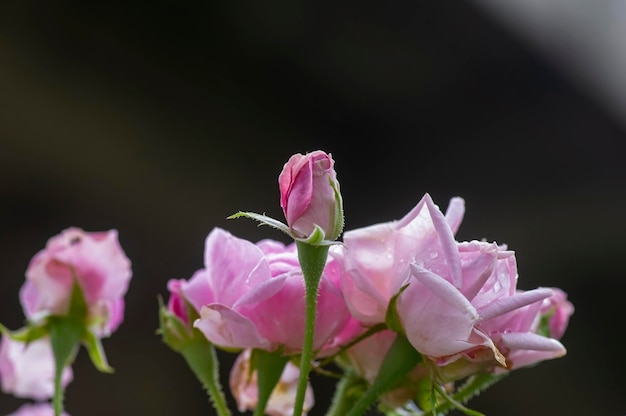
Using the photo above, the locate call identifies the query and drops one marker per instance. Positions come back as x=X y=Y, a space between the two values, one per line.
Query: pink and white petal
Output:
x=437 y=318
x=229 y=329
x=455 y=213
x=447 y=241
x=232 y=264
x=531 y=341
x=262 y=291
x=477 y=268
x=508 y=304
x=197 y=290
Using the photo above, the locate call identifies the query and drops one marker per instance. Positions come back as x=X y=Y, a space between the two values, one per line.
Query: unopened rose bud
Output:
x=310 y=197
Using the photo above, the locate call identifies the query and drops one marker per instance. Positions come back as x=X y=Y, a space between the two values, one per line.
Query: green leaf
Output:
x=339 y=219
x=263 y=219
x=316 y=238
x=93 y=345
x=26 y=334
x=65 y=337
x=391 y=316
x=399 y=361
x=174 y=332
x=348 y=391
x=269 y=368
x=201 y=358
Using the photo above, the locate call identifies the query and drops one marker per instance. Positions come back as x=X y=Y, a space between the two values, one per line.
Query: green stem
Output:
x=472 y=387
x=312 y=261
x=347 y=392
x=202 y=359
x=57 y=399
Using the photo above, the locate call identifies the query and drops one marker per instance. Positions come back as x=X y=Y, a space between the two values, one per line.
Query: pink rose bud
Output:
x=99 y=265
x=310 y=197
x=176 y=303
x=36 y=409
x=243 y=385
x=27 y=371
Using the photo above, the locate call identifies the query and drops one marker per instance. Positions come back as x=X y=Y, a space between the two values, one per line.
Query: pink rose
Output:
x=468 y=303
x=37 y=409
x=96 y=260
x=252 y=296
x=309 y=195
x=27 y=370
x=375 y=259
x=243 y=386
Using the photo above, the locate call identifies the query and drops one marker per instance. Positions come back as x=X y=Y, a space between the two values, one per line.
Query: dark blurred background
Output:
x=161 y=119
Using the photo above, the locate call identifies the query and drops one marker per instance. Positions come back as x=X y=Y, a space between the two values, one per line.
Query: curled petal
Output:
x=448 y=243
x=437 y=318
x=229 y=329
x=444 y=290
x=508 y=304
x=530 y=341
x=455 y=213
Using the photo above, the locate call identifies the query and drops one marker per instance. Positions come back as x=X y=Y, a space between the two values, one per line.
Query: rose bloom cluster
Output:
x=458 y=303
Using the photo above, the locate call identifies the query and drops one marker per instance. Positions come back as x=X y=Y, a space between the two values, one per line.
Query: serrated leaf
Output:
x=263 y=219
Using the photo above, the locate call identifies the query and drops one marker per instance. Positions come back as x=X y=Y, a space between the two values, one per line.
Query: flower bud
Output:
x=310 y=197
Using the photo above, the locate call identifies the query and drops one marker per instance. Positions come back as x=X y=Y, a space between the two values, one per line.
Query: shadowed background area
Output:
x=161 y=120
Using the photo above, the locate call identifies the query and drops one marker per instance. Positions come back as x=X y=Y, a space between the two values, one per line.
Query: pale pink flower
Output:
x=468 y=303
x=243 y=386
x=96 y=260
x=36 y=409
x=27 y=370
x=451 y=292
x=375 y=259
x=252 y=296
x=309 y=195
